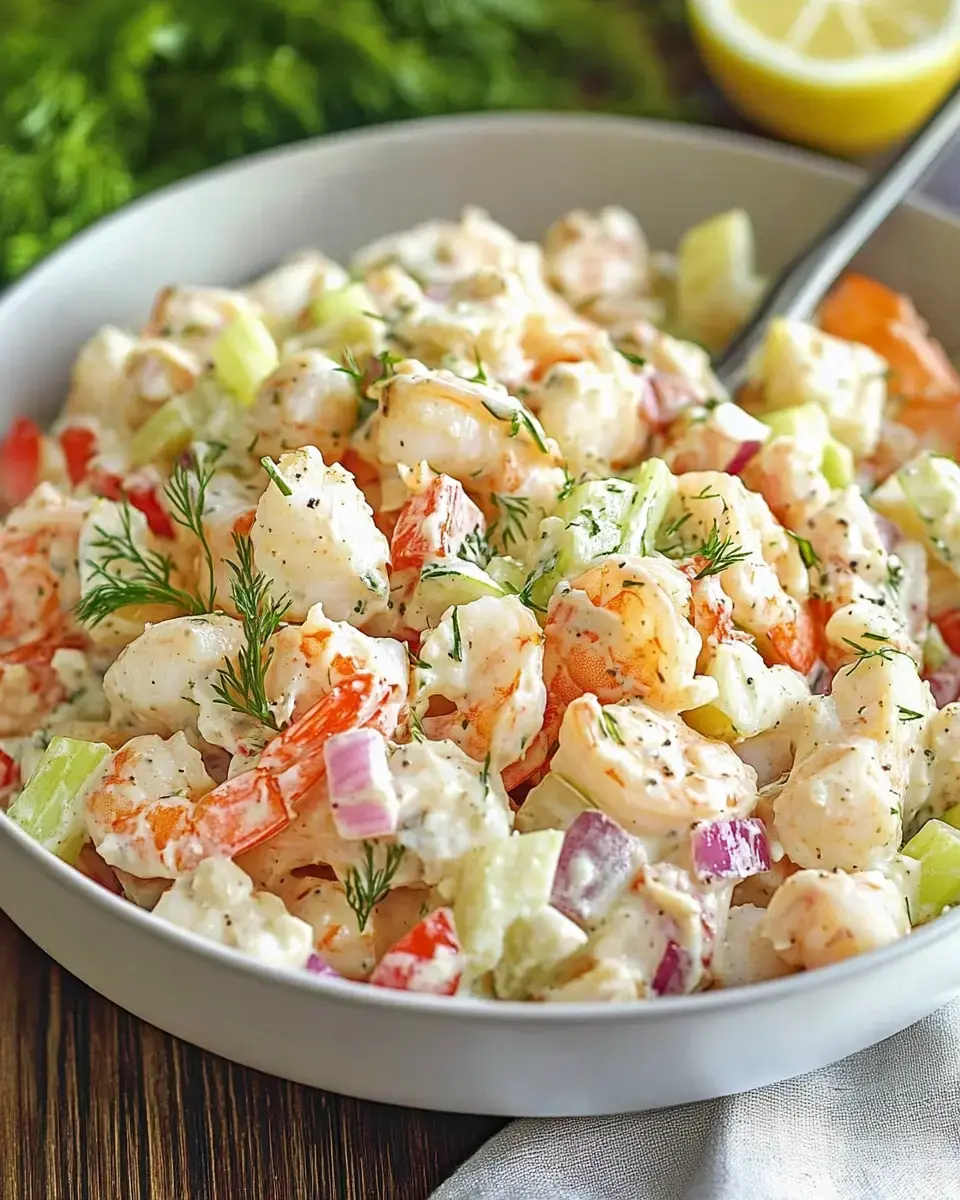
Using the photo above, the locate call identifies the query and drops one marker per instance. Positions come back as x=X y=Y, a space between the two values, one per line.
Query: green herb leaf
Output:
x=271 y=469
x=808 y=556
x=609 y=727
x=457 y=652
x=365 y=886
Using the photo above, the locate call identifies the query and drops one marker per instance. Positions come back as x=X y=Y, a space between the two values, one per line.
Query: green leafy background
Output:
x=102 y=100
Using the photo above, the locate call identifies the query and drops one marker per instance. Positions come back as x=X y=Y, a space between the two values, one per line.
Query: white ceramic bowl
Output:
x=460 y=1055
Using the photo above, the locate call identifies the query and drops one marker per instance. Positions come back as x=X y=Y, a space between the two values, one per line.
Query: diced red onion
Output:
x=730 y=849
x=822 y=682
x=671 y=975
x=890 y=535
x=945 y=682
x=672 y=394
x=319 y=966
x=362 y=795
x=742 y=457
x=597 y=861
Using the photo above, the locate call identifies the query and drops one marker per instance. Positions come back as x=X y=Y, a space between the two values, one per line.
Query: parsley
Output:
x=808 y=556
x=365 y=886
x=609 y=727
x=148 y=575
x=242 y=685
x=457 y=652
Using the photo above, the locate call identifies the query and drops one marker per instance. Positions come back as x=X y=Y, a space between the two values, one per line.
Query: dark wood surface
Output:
x=97 y=1105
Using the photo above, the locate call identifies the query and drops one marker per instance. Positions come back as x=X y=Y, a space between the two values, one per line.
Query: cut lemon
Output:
x=851 y=76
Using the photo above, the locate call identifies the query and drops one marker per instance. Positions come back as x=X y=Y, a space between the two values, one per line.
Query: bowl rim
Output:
x=461 y=1007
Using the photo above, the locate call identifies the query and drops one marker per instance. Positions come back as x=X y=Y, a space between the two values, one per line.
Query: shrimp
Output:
x=745 y=954
x=820 y=917
x=620 y=631
x=307 y=660
x=474 y=432
x=194 y=316
x=284 y=293
x=481 y=682
x=315 y=539
x=769 y=584
x=650 y=771
x=98 y=382
x=153 y=810
x=589 y=258
x=710 y=438
x=308 y=400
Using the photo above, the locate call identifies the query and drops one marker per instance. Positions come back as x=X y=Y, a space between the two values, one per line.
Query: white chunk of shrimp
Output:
x=307 y=401
x=283 y=293
x=648 y=770
x=589 y=257
x=98 y=379
x=819 y=917
x=745 y=954
x=319 y=543
x=467 y=430
x=485 y=660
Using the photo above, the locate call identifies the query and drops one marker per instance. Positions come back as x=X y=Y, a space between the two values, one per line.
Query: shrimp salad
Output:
x=443 y=625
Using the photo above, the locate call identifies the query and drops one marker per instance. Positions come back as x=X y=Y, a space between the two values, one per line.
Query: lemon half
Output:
x=850 y=76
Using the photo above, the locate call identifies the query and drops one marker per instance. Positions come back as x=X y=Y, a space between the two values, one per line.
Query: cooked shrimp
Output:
x=648 y=770
x=194 y=316
x=589 y=257
x=768 y=585
x=283 y=293
x=317 y=543
x=467 y=430
x=745 y=954
x=307 y=660
x=481 y=684
x=822 y=917
x=307 y=401
x=154 y=811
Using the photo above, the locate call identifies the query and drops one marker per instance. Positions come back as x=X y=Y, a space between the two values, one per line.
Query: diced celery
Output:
x=552 y=804
x=508 y=572
x=923 y=498
x=838 y=464
x=806 y=423
x=497 y=884
x=244 y=355
x=598 y=518
x=937 y=848
x=449 y=582
x=50 y=807
x=655 y=487
x=952 y=816
x=347 y=317
x=533 y=948
x=717 y=286
x=751 y=696
x=175 y=424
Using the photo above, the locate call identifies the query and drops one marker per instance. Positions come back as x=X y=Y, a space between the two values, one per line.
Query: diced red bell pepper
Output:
x=427 y=959
x=433 y=524
x=20 y=461
x=949 y=625
x=144 y=497
x=9 y=773
x=79 y=445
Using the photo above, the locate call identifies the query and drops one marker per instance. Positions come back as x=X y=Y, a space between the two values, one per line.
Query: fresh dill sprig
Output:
x=475 y=548
x=416 y=661
x=908 y=714
x=149 y=575
x=485 y=773
x=520 y=418
x=808 y=556
x=416 y=727
x=242 y=685
x=720 y=554
x=863 y=653
x=894 y=576
x=365 y=886
x=481 y=375
x=456 y=652
x=525 y=594
x=609 y=727
x=635 y=360
x=513 y=511
x=271 y=469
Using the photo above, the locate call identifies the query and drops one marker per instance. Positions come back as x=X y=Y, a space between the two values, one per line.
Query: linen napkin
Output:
x=881 y=1125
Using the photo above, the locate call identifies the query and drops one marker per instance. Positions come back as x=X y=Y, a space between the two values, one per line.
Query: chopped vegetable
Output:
x=937 y=848
x=50 y=807
x=360 y=787
x=79 y=445
x=19 y=461
x=671 y=975
x=733 y=849
x=428 y=959
x=533 y=949
x=243 y=356
x=552 y=804
x=597 y=862
x=717 y=286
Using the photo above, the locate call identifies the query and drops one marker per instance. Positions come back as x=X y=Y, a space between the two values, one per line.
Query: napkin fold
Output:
x=881 y=1125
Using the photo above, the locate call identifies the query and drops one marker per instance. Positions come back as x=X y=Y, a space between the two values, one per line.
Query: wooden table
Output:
x=94 y=1104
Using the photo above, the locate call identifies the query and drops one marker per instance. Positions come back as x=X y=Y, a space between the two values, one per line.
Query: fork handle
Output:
x=798 y=290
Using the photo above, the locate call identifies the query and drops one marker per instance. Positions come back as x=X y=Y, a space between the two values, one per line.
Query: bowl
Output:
x=456 y=1054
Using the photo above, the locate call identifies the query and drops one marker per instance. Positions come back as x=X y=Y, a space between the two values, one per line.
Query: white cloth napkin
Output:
x=881 y=1125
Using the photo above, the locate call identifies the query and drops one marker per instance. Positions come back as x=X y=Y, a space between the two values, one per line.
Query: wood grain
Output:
x=97 y=1105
